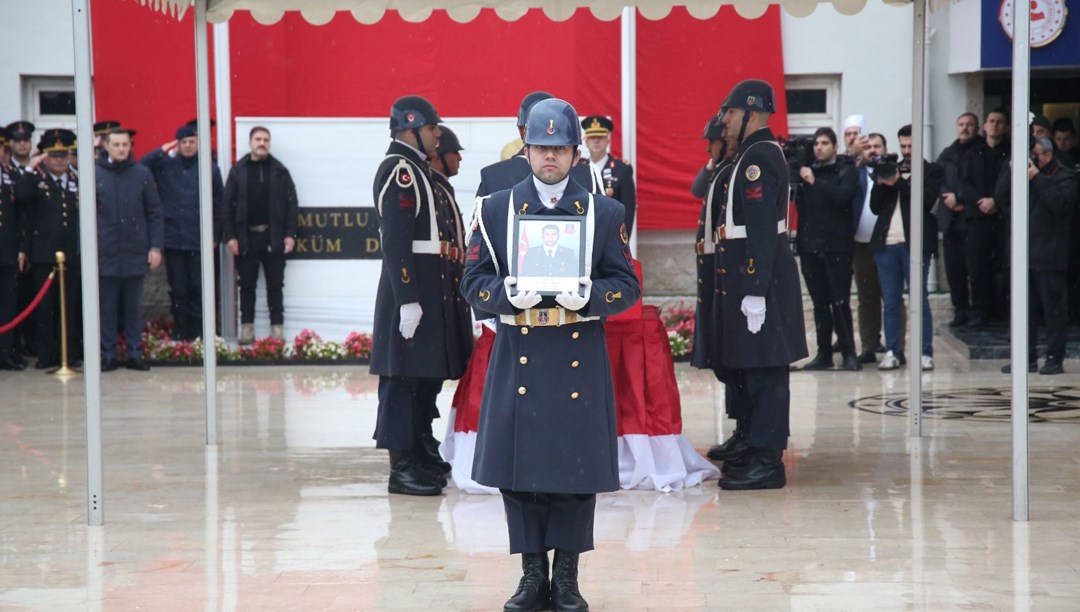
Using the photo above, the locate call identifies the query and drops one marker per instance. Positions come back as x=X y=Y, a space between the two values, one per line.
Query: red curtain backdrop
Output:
x=685 y=68
x=144 y=70
x=145 y=76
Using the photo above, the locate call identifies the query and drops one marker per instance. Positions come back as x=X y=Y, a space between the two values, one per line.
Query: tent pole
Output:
x=629 y=99
x=223 y=95
x=915 y=236
x=206 y=219
x=1021 y=84
x=84 y=116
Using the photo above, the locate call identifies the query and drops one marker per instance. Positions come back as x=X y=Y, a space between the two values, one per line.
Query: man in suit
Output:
x=550 y=258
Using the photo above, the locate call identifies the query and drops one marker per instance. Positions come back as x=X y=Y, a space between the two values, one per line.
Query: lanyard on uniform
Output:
x=709 y=243
x=739 y=231
x=404 y=165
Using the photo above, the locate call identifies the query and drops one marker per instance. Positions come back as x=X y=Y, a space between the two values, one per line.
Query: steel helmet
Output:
x=412 y=112
x=751 y=95
x=526 y=104
x=553 y=122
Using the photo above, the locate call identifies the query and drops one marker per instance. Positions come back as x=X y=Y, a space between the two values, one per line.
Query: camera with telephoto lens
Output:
x=888 y=166
x=798 y=152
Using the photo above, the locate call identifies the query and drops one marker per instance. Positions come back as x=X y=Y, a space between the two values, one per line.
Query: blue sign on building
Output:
x=1055 y=34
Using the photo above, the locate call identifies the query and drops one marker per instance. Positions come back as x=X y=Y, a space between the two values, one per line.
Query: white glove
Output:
x=410 y=319
x=523 y=300
x=571 y=300
x=753 y=306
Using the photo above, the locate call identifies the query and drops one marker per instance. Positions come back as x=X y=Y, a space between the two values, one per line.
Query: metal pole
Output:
x=84 y=117
x=223 y=93
x=206 y=219
x=1021 y=84
x=629 y=97
x=915 y=236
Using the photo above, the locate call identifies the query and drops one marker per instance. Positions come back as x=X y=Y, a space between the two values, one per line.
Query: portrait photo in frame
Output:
x=550 y=256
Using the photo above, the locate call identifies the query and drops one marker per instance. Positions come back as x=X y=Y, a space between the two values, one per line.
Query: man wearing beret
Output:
x=176 y=169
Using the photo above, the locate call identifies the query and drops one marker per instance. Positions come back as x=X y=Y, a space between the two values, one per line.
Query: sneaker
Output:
x=247 y=333
x=927 y=363
x=889 y=362
x=1053 y=365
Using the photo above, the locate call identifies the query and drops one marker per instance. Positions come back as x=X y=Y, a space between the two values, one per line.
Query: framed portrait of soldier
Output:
x=550 y=256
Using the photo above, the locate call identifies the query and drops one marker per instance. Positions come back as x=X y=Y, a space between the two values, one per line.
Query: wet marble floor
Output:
x=290 y=511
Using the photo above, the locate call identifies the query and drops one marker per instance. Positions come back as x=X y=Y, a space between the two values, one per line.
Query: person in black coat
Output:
x=260 y=216
x=48 y=194
x=759 y=308
x=825 y=241
x=131 y=235
x=602 y=173
x=175 y=166
x=949 y=215
x=892 y=253
x=12 y=260
x=1054 y=195
x=547 y=435
x=419 y=340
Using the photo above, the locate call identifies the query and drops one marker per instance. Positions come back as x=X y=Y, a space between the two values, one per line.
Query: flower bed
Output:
x=308 y=347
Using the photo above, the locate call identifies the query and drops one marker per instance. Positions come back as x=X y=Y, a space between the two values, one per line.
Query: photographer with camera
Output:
x=825 y=242
x=890 y=200
x=1053 y=197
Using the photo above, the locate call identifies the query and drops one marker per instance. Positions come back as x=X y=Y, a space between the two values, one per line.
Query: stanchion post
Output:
x=63 y=370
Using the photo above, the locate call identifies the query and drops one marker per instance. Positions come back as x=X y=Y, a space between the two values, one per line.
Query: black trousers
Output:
x=406 y=410
x=539 y=522
x=9 y=307
x=183 y=269
x=25 y=336
x=956 y=270
x=121 y=292
x=828 y=280
x=47 y=315
x=247 y=270
x=1048 y=296
x=765 y=398
x=983 y=264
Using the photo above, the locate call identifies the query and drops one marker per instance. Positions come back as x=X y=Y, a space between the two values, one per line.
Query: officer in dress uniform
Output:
x=760 y=330
x=20 y=134
x=12 y=225
x=50 y=195
x=418 y=343
x=607 y=175
x=547 y=436
x=444 y=165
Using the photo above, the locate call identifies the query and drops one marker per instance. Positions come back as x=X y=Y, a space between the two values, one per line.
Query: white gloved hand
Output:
x=753 y=306
x=410 y=319
x=524 y=299
x=572 y=300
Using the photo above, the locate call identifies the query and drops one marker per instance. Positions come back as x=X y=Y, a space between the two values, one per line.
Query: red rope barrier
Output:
x=26 y=313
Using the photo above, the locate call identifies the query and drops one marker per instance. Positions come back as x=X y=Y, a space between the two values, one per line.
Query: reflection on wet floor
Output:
x=290 y=511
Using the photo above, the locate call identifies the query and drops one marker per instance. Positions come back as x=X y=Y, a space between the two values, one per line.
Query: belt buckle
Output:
x=543 y=317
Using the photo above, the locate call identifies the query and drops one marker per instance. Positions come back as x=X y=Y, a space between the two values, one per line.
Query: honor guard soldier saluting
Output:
x=760 y=331
x=607 y=175
x=547 y=437
x=418 y=343
x=711 y=185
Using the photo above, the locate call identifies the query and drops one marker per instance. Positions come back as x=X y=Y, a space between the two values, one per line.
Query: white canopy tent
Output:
x=319 y=12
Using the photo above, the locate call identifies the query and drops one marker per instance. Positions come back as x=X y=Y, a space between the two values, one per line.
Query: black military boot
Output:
x=428 y=451
x=408 y=478
x=733 y=447
x=533 y=592
x=565 y=596
x=764 y=470
x=733 y=467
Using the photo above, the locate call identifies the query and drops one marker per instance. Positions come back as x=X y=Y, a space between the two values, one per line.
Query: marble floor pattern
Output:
x=290 y=510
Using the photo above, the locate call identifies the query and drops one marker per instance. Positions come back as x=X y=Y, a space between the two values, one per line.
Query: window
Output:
x=49 y=101
x=812 y=103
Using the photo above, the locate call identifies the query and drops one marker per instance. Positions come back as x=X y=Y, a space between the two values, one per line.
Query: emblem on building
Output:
x=1047 y=20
